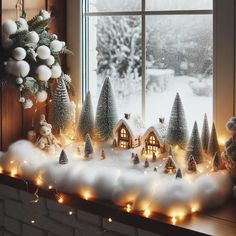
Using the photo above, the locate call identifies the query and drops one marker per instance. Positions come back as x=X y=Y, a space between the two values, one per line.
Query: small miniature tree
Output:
x=142 y=151
x=146 y=163
x=136 y=159
x=88 y=149
x=114 y=143
x=60 y=107
x=216 y=162
x=191 y=163
x=213 y=145
x=154 y=157
x=132 y=155
x=86 y=120
x=170 y=166
x=106 y=115
x=63 y=158
x=171 y=151
x=102 y=156
x=205 y=136
x=155 y=169
x=194 y=146
x=177 y=132
x=179 y=174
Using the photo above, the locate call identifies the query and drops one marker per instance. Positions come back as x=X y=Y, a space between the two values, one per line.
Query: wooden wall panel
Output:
x=15 y=122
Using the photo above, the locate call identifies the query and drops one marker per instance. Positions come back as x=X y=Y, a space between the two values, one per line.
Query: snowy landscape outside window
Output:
x=150 y=49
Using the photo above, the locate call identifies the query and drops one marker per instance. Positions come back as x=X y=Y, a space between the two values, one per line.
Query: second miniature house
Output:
x=129 y=131
x=154 y=138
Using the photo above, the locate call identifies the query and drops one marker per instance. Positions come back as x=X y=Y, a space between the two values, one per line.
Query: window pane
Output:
x=164 y=5
x=114 y=5
x=115 y=51
x=179 y=59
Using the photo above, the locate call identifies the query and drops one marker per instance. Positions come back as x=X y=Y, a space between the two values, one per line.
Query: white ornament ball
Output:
x=11 y=66
x=39 y=18
x=32 y=37
x=9 y=27
x=56 y=46
x=63 y=44
x=23 y=25
x=54 y=36
x=19 y=53
x=22 y=68
x=21 y=99
x=43 y=52
x=19 y=80
x=50 y=61
x=41 y=96
x=7 y=43
x=56 y=71
x=44 y=73
x=45 y=14
x=28 y=104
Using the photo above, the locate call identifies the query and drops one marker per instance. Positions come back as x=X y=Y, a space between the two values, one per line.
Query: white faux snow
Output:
x=118 y=180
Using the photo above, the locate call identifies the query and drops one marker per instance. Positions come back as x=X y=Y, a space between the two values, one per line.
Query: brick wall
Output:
x=20 y=216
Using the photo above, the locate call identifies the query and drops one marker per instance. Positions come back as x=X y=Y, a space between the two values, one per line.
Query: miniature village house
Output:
x=154 y=138
x=128 y=131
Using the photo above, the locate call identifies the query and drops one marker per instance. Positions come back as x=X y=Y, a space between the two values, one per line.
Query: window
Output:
x=123 y=133
x=151 y=49
x=152 y=140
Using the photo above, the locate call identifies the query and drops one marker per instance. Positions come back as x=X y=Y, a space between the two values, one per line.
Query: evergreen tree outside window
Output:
x=150 y=49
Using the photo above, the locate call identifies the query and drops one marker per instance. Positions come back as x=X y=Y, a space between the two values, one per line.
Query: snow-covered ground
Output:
x=117 y=179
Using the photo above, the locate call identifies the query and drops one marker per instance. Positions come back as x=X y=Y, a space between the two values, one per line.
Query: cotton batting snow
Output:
x=117 y=179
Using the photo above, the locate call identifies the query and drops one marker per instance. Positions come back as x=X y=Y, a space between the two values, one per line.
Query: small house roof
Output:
x=134 y=124
x=159 y=129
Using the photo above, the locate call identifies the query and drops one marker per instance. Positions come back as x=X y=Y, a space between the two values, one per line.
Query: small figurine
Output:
x=146 y=163
x=154 y=157
x=136 y=159
x=46 y=140
x=102 y=156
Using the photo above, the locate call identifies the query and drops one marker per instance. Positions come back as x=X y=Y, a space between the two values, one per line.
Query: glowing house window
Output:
x=152 y=140
x=123 y=133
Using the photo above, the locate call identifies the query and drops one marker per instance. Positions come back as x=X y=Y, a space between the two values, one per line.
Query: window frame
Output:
x=224 y=49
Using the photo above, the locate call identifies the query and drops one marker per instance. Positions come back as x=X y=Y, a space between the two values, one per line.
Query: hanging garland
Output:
x=32 y=57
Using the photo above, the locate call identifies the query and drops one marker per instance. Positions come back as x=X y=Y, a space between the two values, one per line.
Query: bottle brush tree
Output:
x=177 y=132
x=88 y=148
x=86 y=120
x=213 y=145
x=106 y=115
x=205 y=136
x=194 y=146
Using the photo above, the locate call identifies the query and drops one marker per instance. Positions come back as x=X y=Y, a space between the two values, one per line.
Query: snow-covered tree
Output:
x=216 y=162
x=136 y=159
x=146 y=163
x=86 y=120
x=205 y=136
x=213 y=145
x=63 y=158
x=194 y=146
x=170 y=166
x=60 y=107
x=191 y=163
x=88 y=148
x=106 y=115
x=179 y=174
x=177 y=133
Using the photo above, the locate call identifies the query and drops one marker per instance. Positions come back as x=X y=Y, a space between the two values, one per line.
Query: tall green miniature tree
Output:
x=205 y=136
x=216 y=162
x=63 y=158
x=60 y=107
x=194 y=146
x=179 y=174
x=106 y=115
x=177 y=133
x=88 y=148
x=213 y=145
x=86 y=120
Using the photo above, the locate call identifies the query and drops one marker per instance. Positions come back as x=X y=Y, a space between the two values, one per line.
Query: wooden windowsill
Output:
x=221 y=221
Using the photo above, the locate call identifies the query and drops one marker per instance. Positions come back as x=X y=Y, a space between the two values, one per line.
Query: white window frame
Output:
x=224 y=86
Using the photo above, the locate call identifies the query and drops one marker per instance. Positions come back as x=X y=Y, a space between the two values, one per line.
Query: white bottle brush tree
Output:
x=86 y=120
x=194 y=147
x=106 y=115
x=177 y=133
x=32 y=57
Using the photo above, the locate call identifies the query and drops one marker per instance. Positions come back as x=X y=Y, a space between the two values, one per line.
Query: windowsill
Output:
x=216 y=222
